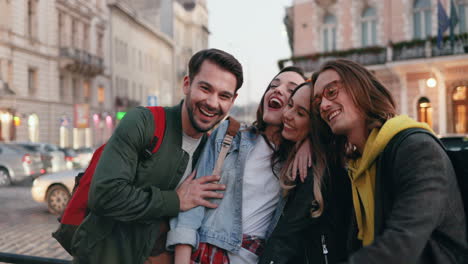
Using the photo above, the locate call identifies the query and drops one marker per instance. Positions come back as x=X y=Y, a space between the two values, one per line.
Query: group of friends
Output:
x=317 y=178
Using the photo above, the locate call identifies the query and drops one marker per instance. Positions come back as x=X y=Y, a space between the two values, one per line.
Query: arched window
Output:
x=422 y=19
x=64 y=131
x=33 y=127
x=460 y=109
x=369 y=27
x=425 y=111
x=329 y=33
x=6 y=126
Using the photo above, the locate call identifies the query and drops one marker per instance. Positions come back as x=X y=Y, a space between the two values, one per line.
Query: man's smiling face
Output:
x=209 y=96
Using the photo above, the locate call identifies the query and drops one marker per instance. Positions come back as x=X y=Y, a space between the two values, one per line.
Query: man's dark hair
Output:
x=221 y=58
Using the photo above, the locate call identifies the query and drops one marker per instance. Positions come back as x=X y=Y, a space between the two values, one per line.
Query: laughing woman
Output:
x=235 y=231
x=314 y=222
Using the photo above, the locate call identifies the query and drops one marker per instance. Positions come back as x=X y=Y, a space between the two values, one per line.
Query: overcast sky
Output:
x=253 y=31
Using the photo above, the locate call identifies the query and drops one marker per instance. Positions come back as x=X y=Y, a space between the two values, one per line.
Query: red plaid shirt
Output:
x=209 y=254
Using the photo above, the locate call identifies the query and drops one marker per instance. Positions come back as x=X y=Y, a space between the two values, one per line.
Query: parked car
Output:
x=84 y=156
x=455 y=142
x=18 y=164
x=54 y=189
x=71 y=158
x=52 y=157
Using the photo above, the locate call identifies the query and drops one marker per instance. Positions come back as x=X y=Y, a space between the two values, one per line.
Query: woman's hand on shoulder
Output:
x=302 y=161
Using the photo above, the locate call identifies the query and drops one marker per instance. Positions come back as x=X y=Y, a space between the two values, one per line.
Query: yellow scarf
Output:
x=362 y=172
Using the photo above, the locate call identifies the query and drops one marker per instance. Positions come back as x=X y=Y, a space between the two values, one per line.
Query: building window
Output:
x=75 y=91
x=116 y=49
x=100 y=94
x=86 y=88
x=125 y=53
x=329 y=33
x=425 y=111
x=60 y=30
x=74 y=33
x=32 y=81
x=86 y=37
x=117 y=86
x=61 y=86
x=140 y=60
x=10 y=74
x=4 y=14
x=462 y=9
x=126 y=89
x=460 y=109
x=369 y=27
x=422 y=19
x=32 y=18
x=141 y=93
x=100 y=45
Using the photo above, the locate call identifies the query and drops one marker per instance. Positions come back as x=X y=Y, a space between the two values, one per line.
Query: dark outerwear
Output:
x=129 y=196
x=299 y=238
x=425 y=200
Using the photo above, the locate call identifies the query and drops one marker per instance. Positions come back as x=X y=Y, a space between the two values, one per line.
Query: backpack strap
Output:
x=159 y=117
x=231 y=132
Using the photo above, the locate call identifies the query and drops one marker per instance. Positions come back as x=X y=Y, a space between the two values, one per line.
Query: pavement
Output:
x=26 y=226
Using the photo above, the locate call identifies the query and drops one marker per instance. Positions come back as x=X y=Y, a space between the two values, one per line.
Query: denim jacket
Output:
x=222 y=226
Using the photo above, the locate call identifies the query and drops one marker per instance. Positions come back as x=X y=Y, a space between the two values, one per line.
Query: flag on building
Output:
x=453 y=22
x=443 y=23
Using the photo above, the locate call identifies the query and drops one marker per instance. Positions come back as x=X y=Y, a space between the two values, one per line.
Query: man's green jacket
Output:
x=129 y=196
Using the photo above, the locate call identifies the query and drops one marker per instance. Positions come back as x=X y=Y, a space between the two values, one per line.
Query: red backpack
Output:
x=77 y=207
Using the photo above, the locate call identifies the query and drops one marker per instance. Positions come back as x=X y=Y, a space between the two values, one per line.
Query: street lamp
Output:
x=431 y=82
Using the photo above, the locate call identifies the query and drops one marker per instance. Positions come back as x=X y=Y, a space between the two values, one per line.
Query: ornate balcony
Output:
x=80 y=61
x=365 y=56
x=401 y=51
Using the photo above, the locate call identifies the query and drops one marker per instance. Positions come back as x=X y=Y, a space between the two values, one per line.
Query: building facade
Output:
x=51 y=68
x=68 y=67
x=397 y=40
x=142 y=57
x=190 y=35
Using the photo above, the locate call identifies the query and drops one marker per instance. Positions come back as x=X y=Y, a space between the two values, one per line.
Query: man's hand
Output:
x=193 y=192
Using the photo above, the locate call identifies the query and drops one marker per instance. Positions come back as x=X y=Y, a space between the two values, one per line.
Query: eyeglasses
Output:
x=330 y=91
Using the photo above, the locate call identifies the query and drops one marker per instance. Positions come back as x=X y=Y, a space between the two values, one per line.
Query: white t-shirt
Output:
x=260 y=190
x=189 y=144
x=260 y=196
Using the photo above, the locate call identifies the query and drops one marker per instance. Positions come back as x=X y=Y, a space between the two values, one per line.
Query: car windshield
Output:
x=29 y=147
x=69 y=152
x=14 y=148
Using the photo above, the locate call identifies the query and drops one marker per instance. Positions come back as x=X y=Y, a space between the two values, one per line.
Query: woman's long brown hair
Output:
x=259 y=125
x=319 y=143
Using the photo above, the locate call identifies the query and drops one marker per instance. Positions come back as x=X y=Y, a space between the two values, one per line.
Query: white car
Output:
x=54 y=189
x=52 y=157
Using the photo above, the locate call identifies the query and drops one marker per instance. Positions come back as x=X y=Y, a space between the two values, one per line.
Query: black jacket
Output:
x=299 y=238
x=416 y=198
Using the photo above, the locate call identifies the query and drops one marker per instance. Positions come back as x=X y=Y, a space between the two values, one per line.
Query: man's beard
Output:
x=192 y=118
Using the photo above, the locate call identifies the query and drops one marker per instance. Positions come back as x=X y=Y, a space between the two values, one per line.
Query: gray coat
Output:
x=416 y=196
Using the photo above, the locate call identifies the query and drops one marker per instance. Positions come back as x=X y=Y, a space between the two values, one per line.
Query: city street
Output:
x=26 y=225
